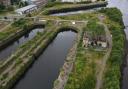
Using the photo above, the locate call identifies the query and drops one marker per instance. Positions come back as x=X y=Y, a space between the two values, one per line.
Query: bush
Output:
x=51 y=4
x=113 y=73
x=10 y=8
x=19 y=23
x=95 y=28
x=2 y=7
x=113 y=13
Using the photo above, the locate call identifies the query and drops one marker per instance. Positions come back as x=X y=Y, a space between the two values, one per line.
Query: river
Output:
x=46 y=69
x=6 y=52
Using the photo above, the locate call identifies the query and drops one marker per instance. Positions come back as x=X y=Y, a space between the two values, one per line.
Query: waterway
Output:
x=6 y=52
x=76 y=12
x=45 y=70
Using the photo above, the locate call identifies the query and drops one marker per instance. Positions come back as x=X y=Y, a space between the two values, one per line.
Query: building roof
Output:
x=25 y=8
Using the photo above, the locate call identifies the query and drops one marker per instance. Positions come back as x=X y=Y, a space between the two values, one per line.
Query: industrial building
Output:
x=27 y=9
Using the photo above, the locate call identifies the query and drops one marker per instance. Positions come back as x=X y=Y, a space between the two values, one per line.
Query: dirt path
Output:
x=99 y=80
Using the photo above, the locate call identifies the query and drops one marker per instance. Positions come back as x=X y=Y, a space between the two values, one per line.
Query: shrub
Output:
x=113 y=13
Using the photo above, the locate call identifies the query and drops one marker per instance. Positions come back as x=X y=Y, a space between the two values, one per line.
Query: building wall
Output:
x=26 y=11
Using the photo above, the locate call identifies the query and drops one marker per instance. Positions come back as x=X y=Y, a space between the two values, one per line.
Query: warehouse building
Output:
x=27 y=9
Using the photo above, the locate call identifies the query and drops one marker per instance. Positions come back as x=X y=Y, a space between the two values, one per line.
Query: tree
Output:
x=10 y=8
x=2 y=7
x=23 y=3
x=15 y=1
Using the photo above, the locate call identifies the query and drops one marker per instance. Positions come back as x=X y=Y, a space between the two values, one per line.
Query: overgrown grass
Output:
x=83 y=79
x=58 y=7
x=114 y=14
x=82 y=16
x=57 y=3
x=95 y=28
x=15 y=27
x=25 y=55
x=113 y=73
x=83 y=75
